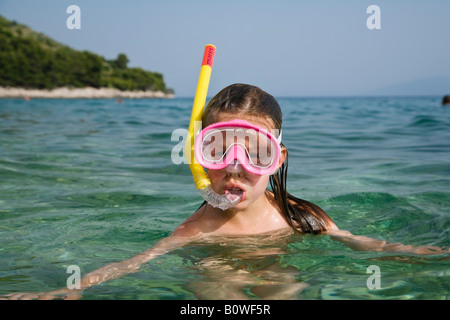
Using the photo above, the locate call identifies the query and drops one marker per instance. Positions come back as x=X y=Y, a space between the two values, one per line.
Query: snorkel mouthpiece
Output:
x=201 y=180
x=221 y=201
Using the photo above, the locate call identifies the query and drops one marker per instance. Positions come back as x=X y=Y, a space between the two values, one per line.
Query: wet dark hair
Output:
x=303 y=216
x=446 y=100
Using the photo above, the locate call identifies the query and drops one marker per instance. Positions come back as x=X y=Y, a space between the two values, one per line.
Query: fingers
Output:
x=21 y=296
x=42 y=295
x=73 y=296
x=46 y=296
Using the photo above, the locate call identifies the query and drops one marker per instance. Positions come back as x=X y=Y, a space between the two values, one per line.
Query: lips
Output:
x=234 y=192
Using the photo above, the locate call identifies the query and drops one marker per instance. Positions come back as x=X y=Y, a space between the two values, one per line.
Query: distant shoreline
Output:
x=78 y=93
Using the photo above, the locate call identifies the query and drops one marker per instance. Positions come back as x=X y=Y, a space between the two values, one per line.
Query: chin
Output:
x=240 y=206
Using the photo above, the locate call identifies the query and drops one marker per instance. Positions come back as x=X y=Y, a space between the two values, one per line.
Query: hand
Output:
x=65 y=294
x=426 y=250
x=362 y=243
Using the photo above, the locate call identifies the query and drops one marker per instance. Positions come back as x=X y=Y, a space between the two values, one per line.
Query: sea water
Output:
x=89 y=182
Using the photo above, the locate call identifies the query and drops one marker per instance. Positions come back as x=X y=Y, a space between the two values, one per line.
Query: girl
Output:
x=259 y=210
x=242 y=168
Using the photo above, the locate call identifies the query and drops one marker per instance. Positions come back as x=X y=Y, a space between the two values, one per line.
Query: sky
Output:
x=288 y=48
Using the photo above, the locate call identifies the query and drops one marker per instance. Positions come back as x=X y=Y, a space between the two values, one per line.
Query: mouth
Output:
x=234 y=193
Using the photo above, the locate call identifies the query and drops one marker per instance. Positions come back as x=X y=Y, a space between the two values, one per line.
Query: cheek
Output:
x=260 y=184
x=217 y=178
x=216 y=175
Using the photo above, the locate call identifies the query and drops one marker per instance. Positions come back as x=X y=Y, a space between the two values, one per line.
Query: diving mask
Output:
x=229 y=143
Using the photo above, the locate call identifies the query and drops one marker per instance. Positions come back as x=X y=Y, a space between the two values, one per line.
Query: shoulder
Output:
x=197 y=224
x=190 y=227
x=309 y=217
x=186 y=231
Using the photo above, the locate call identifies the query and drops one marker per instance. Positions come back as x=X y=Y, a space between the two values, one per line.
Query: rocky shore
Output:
x=78 y=93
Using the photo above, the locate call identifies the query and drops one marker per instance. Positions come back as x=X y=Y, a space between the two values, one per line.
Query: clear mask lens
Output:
x=255 y=147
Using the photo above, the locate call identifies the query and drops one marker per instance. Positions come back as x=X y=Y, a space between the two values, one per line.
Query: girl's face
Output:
x=251 y=186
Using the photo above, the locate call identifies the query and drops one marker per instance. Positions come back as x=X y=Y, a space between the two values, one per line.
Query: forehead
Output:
x=262 y=122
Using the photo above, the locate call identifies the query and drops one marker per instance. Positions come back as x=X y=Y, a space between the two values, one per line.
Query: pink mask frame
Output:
x=238 y=151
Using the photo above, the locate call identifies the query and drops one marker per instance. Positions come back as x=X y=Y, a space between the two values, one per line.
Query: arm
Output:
x=181 y=236
x=362 y=243
x=118 y=269
x=185 y=233
x=110 y=271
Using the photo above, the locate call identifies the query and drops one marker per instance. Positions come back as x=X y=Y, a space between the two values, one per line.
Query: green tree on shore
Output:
x=30 y=59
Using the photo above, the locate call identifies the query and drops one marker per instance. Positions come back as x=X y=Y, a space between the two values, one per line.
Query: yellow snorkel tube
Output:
x=201 y=180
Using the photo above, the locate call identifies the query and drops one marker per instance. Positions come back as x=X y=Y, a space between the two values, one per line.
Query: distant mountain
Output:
x=438 y=85
x=29 y=59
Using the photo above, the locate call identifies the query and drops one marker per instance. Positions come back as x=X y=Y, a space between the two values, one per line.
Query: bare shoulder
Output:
x=192 y=226
x=317 y=211
x=332 y=227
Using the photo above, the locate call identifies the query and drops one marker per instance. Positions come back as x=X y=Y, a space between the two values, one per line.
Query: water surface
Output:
x=89 y=182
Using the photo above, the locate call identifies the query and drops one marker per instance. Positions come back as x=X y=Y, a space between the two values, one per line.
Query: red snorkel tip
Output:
x=208 y=56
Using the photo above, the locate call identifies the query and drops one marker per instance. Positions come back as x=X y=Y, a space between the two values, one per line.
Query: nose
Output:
x=234 y=167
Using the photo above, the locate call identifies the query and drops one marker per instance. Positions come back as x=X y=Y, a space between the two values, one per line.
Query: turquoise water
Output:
x=89 y=182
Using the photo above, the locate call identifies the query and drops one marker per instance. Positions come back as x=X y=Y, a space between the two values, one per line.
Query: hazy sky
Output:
x=288 y=48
